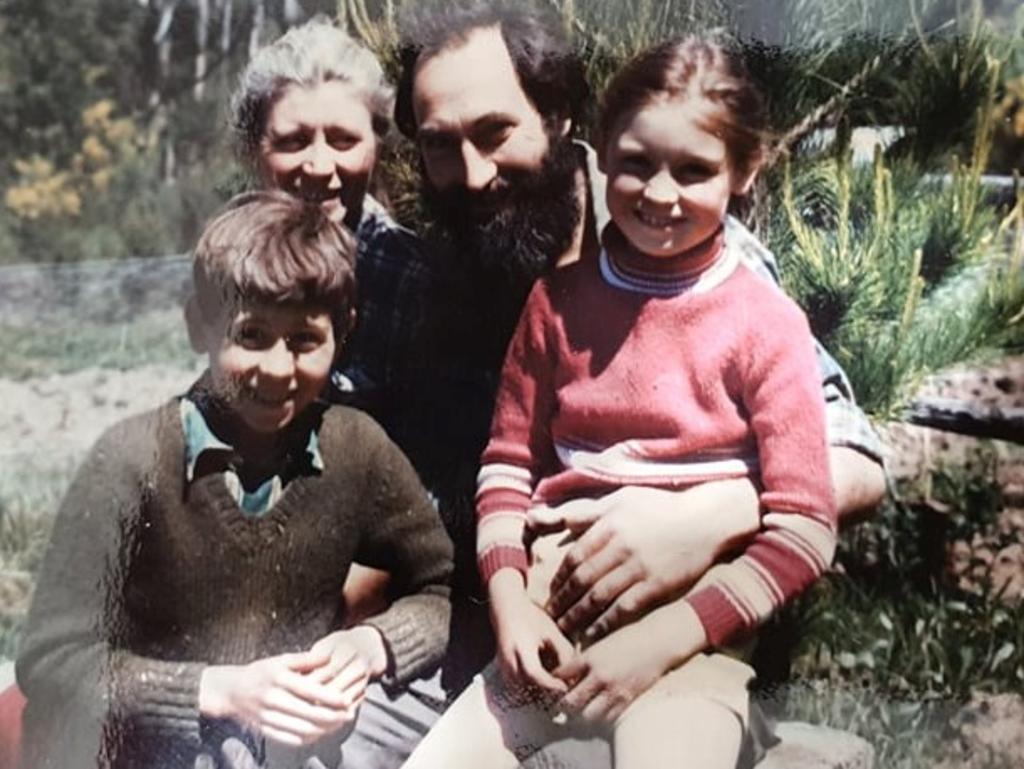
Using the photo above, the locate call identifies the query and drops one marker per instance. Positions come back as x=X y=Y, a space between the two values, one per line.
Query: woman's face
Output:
x=319 y=144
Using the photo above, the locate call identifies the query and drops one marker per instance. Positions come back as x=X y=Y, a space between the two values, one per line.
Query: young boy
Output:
x=189 y=604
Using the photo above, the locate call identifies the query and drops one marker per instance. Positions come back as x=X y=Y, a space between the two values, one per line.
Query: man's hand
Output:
x=639 y=547
x=529 y=642
x=276 y=696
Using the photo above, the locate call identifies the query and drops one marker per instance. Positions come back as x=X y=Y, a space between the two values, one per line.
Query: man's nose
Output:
x=478 y=169
x=661 y=189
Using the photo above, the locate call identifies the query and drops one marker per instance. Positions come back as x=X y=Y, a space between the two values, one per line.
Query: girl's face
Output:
x=669 y=178
x=319 y=144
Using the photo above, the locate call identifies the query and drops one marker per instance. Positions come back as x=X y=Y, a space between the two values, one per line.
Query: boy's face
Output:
x=269 y=362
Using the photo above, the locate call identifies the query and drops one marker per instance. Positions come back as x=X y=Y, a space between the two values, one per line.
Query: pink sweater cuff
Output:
x=502 y=557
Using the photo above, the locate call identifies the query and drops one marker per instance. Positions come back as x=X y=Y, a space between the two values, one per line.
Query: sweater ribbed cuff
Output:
x=415 y=637
x=161 y=697
x=720 y=618
x=502 y=557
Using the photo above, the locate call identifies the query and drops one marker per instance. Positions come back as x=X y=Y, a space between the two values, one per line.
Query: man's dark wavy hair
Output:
x=550 y=72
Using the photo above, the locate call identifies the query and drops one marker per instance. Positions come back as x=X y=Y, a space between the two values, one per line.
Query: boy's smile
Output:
x=269 y=363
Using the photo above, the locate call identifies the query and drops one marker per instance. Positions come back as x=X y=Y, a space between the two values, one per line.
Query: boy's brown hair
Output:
x=270 y=247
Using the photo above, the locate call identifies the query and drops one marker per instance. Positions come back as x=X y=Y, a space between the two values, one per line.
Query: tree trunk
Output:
x=202 y=35
x=259 y=17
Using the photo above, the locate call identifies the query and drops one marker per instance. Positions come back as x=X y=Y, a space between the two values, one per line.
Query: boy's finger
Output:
x=303 y=661
x=350 y=680
x=312 y=693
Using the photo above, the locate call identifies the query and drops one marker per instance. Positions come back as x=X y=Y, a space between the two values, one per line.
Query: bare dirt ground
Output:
x=57 y=418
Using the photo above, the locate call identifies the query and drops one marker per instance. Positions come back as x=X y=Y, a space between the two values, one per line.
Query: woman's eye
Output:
x=633 y=162
x=341 y=140
x=289 y=143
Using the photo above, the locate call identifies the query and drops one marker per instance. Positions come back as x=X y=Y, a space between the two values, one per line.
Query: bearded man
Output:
x=490 y=93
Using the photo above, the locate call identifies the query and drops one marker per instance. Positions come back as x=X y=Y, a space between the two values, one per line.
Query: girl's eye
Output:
x=694 y=172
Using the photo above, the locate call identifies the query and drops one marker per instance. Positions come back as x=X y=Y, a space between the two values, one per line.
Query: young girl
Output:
x=667 y=363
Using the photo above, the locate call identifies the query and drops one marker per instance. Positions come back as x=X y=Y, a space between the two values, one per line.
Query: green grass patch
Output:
x=888 y=646
x=62 y=346
x=29 y=498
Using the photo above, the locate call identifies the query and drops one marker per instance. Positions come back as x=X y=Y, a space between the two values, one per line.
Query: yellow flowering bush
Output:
x=43 y=190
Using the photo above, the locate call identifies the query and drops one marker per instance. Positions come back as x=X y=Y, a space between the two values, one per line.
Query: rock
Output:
x=989 y=733
x=805 y=746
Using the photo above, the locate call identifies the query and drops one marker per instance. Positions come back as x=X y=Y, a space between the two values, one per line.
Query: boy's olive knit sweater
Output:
x=148 y=579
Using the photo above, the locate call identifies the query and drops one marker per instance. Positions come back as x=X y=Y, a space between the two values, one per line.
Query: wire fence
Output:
x=102 y=291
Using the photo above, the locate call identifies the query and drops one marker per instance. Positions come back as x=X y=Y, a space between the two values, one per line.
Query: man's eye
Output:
x=435 y=144
x=493 y=135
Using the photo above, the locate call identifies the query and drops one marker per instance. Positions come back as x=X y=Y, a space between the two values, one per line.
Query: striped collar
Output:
x=713 y=261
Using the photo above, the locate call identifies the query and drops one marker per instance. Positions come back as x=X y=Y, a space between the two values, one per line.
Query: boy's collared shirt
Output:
x=205 y=453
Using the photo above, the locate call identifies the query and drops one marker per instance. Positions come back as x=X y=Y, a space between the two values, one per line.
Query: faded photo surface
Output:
x=449 y=383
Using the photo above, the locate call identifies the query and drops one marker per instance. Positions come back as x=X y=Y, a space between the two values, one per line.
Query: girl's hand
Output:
x=277 y=697
x=608 y=676
x=529 y=641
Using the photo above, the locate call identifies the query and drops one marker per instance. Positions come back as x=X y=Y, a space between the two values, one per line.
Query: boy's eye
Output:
x=252 y=337
x=305 y=341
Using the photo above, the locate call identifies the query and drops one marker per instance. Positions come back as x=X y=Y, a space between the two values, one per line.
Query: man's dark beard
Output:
x=496 y=243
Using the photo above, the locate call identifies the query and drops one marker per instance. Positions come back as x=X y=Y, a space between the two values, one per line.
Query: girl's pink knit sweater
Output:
x=616 y=377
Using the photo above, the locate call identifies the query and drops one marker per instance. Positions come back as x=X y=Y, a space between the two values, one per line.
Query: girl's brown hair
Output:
x=692 y=67
x=271 y=247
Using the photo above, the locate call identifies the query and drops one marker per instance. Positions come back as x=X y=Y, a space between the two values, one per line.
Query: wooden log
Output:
x=966 y=418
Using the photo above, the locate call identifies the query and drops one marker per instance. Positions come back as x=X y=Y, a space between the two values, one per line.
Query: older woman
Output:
x=310 y=114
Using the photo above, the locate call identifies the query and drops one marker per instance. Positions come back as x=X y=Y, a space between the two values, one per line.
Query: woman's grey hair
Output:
x=307 y=55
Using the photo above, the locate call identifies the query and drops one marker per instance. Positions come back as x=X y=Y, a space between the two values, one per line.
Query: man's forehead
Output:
x=470 y=78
